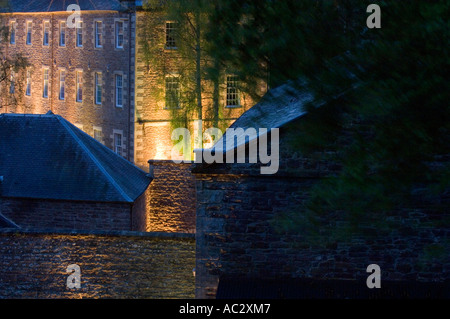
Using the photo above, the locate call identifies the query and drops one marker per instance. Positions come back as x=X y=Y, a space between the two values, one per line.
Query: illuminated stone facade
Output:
x=80 y=76
x=153 y=127
x=92 y=59
x=136 y=122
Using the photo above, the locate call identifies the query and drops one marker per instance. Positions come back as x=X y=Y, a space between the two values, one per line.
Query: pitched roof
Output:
x=45 y=156
x=58 y=5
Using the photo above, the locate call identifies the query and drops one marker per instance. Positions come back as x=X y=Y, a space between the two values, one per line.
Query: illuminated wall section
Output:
x=153 y=127
x=79 y=61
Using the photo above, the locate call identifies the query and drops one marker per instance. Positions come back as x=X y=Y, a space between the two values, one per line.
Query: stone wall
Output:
x=172 y=197
x=59 y=214
x=112 y=265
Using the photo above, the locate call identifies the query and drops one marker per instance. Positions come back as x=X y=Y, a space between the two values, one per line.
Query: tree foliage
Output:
x=12 y=70
x=387 y=93
x=193 y=65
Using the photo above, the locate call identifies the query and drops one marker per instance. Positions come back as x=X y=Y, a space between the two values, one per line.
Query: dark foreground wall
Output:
x=135 y=265
x=237 y=240
x=61 y=214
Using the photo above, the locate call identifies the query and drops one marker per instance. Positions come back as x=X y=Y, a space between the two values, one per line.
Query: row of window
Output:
x=98 y=33
x=172 y=86
x=118 y=82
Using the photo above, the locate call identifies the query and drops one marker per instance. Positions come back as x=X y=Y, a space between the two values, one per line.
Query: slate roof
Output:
x=45 y=156
x=59 y=5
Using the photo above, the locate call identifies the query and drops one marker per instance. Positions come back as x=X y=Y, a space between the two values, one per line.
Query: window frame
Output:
x=79 y=86
x=232 y=98
x=12 y=82
x=116 y=89
x=12 y=31
x=62 y=84
x=79 y=34
x=118 y=148
x=170 y=42
x=98 y=85
x=98 y=34
x=62 y=33
x=28 y=82
x=117 y=34
x=46 y=35
x=98 y=138
x=29 y=34
x=45 y=87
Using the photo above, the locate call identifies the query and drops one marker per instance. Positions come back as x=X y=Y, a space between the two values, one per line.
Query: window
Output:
x=46 y=33
x=172 y=92
x=45 y=88
x=119 y=35
x=28 y=87
x=118 y=143
x=170 y=35
x=12 y=35
x=12 y=85
x=119 y=90
x=62 y=84
x=98 y=34
x=29 y=30
x=80 y=34
x=232 y=90
x=62 y=34
x=98 y=135
x=98 y=88
x=79 y=82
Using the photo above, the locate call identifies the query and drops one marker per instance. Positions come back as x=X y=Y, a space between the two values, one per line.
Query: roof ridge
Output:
x=93 y=158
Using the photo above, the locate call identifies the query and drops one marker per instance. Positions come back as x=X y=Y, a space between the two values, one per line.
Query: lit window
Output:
x=232 y=90
x=98 y=34
x=12 y=36
x=62 y=34
x=46 y=33
x=170 y=35
x=45 y=88
x=79 y=34
x=79 y=82
x=119 y=35
x=118 y=143
x=62 y=84
x=29 y=31
x=98 y=88
x=172 y=92
x=119 y=90
x=28 y=87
